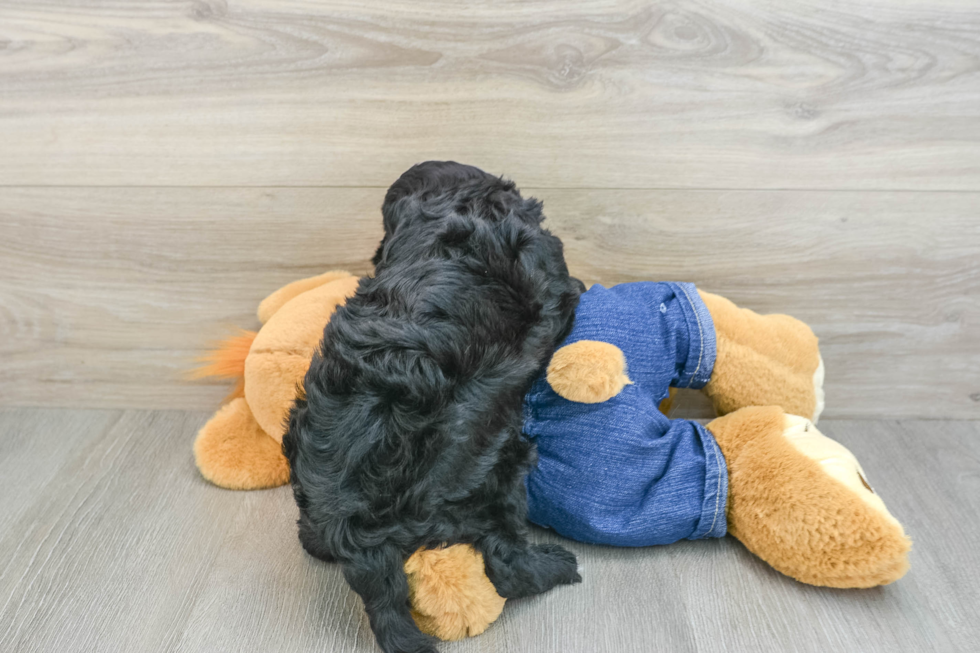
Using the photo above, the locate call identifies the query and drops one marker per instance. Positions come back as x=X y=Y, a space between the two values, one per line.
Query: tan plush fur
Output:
x=240 y=447
x=450 y=594
x=785 y=509
x=282 y=350
x=762 y=360
x=227 y=361
x=588 y=371
x=271 y=304
x=232 y=451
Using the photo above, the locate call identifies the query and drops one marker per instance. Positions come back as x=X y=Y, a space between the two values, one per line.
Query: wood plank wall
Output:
x=164 y=165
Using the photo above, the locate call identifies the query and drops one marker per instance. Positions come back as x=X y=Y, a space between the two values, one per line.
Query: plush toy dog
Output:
x=612 y=468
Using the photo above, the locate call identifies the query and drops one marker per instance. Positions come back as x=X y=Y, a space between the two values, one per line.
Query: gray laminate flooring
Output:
x=111 y=541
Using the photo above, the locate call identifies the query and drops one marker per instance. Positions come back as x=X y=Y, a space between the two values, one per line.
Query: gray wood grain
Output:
x=109 y=554
x=108 y=294
x=604 y=93
x=112 y=542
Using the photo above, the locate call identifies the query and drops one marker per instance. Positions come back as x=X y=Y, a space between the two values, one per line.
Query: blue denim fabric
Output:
x=619 y=472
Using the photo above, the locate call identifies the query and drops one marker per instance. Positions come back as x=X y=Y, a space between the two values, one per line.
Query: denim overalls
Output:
x=619 y=472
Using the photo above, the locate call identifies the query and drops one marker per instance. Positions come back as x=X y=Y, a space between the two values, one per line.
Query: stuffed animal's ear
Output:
x=588 y=371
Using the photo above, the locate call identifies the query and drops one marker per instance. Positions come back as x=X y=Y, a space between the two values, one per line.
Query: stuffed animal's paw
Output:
x=232 y=451
x=763 y=360
x=871 y=544
x=801 y=502
x=451 y=596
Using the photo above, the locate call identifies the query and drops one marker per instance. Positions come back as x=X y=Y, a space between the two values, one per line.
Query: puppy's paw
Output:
x=530 y=569
x=561 y=564
x=407 y=643
x=428 y=647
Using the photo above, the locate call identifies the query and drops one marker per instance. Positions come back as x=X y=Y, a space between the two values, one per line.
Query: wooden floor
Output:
x=111 y=541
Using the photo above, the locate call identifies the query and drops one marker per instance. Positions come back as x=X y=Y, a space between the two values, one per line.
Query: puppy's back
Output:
x=428 y=363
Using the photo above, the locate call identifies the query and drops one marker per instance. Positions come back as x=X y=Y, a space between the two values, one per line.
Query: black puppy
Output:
x=409 y=434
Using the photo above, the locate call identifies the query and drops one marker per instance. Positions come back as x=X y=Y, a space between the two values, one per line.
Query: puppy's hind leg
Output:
x=518 y=568
x=378 y=576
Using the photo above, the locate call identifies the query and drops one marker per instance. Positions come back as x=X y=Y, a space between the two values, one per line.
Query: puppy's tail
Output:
x=227 y=361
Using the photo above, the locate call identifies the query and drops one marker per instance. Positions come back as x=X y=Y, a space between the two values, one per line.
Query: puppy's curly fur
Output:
x=409 y=434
